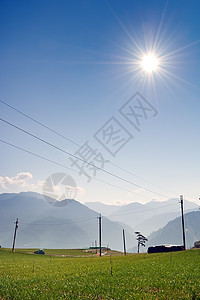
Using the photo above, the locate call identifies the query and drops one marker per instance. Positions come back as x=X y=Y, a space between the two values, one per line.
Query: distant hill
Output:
x=147 y=217
x=42 y=225
x=102 y=208
x=172 y=232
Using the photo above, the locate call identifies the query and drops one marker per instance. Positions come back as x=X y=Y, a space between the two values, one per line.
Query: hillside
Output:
x=147 y=217
x=26 y=276
x=43 y=225
x=172 y=232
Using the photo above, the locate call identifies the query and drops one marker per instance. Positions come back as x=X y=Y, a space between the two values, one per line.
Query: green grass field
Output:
x=139 y=276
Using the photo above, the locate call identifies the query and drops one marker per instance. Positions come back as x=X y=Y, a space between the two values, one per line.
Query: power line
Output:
x=61 y=165
x=39 y=123
x=63 y=223
x=80 y=159
x=135 y=212
x=107 y=217
x=37 y=155
x=75 y=143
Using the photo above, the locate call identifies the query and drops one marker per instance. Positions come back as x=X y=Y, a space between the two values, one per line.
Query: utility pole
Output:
x=16 y=226
x=183 y=226
x=99 y=234
x=124 y=242
x=96 y=246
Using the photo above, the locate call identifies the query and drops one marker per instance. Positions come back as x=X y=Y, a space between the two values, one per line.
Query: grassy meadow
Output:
x=75 y=274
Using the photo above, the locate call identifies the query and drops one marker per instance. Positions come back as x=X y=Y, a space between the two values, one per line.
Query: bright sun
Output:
x=149 y=63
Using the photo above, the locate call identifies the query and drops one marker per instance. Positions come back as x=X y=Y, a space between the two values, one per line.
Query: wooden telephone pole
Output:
x=183 y=225
x=124 y=242
x=99 y=234
x=16 y=226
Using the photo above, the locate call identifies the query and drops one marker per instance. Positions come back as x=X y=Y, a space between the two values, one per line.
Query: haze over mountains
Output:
x=71 y=224
x=42 y=225
x=172 y=232
x=147 y=217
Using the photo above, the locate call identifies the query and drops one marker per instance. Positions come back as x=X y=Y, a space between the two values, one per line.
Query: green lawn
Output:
x=58 y=252
x=154 y=276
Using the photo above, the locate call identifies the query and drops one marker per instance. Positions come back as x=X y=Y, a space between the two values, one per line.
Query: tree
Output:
x=141 y=240
x=197 y=244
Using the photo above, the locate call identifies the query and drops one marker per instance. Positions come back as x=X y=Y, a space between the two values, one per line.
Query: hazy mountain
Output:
x=156 y=222
x=69 y=225
x=172 y=232
x=143 y=217
x=104 y=209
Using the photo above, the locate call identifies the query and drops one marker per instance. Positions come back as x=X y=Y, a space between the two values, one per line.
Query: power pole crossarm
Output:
x=16 y=226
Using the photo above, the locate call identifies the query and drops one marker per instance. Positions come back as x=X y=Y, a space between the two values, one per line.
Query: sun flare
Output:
x=149 y=63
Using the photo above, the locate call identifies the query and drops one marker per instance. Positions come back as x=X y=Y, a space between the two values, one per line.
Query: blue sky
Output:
x=72 y=65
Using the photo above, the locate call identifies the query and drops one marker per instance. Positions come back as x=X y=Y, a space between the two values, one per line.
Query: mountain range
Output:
x=147 y=217
x=68 y=224
x=172 y=232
